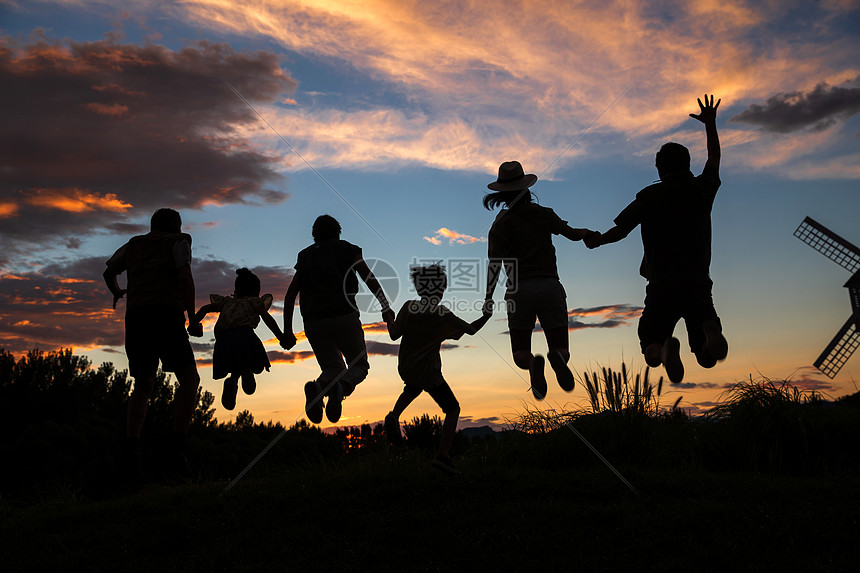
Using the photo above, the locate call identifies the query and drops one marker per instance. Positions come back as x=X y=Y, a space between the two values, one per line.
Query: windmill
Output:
x=834 y=247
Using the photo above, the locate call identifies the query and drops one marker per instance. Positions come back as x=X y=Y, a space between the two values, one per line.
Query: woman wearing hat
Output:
x=521 y=241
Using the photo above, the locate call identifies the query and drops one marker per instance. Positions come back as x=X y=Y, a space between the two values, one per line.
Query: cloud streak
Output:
x=453 y=237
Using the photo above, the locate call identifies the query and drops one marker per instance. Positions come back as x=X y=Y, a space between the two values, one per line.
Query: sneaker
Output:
x=313 y=402
x=249 y=383
x=538 y=381
x=392 y=429
x=334 y=406
x=562 y=373
x=445 y=464
x=228 y=394
x=672 y=360
x=715 y=342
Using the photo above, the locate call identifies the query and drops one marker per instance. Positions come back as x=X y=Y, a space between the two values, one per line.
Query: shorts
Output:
x=542 y=298
x=664 y=307
x=441 y=394
x=153 y=333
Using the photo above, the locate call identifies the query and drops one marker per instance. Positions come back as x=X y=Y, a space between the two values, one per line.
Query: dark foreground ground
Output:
x=393 y=512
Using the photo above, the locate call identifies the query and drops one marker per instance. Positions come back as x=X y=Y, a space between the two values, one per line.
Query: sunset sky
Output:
x=393 y=116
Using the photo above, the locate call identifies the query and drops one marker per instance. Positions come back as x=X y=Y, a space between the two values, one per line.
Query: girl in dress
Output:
x=239 y=353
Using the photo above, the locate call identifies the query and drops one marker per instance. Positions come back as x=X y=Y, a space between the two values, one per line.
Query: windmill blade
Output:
x=840 y=348
x=829 y=243
x=853 y=286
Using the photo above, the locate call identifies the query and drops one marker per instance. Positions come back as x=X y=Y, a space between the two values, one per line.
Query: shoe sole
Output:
x=313 y=403
x=672 y=361
x=334 y=406
x=562 y=373
x=715 y=342
x=537 y=378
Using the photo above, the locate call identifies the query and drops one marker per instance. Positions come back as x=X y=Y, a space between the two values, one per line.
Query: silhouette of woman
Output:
x=520 y=240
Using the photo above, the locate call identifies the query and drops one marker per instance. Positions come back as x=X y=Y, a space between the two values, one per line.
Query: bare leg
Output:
x=185 y=399
x=449 y=430
x=521 y=347
x=402 y=403
x=559 y=353
x=557 y=340
x=249 y=383
x=137 y=403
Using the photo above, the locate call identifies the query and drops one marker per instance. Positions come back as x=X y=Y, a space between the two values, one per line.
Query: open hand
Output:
x=708 y=110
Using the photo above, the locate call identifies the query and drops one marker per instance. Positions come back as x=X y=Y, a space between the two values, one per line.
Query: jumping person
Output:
x=238 y=352
x=424 y=324
x=675 y=217
x=520 y=240
x=160 y=290
x=326 y=284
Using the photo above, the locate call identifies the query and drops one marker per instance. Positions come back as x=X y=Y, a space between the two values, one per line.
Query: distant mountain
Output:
x=478 y=432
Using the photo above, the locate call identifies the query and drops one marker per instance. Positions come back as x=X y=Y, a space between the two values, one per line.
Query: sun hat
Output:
x=512 y=178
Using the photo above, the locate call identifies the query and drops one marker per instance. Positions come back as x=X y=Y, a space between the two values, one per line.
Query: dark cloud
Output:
x=816 y=110
x=68 y=305
x=96 y=133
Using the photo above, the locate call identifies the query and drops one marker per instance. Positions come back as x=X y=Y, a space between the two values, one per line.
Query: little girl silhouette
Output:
x=238 y=350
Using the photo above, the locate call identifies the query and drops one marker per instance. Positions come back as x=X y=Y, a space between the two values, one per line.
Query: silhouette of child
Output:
x=238 y=351
x=521 y=241
x=424 y=324
x=675 y=216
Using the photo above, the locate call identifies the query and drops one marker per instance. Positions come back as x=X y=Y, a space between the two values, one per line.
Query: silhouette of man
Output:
x=160 y=291
x=326 y=284
x=675 y=219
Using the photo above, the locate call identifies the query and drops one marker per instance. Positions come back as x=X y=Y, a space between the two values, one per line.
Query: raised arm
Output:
x=708 y=116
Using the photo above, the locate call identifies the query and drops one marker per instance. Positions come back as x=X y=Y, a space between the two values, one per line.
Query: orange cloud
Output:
x=74 y=200
x=454 y=237
x=552 y=85
x=8 y=210
x=114 y=109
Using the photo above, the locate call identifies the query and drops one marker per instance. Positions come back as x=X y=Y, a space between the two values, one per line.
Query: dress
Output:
x=237 y=348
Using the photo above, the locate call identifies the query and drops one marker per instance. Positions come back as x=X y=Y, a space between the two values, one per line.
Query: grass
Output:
x=766 y=481
x=393 y=512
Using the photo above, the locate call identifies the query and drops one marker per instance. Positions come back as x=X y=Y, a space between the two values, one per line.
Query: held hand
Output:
x=707 y=111
x=488 y=307
x=592 y=239
x=118 y=296
x=287 y=340
x=388 y=316
x=195 y=329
